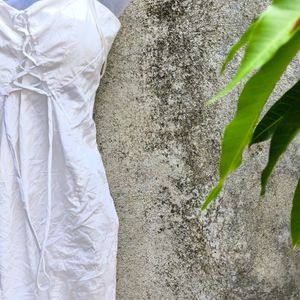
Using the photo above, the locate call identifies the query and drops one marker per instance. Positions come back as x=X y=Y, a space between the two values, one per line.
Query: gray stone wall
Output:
x=161 y=147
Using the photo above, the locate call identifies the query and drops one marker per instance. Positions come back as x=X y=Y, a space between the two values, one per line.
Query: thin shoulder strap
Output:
x=93 y=9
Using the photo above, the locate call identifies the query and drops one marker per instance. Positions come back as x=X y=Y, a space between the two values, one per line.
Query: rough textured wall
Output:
x=161 y=146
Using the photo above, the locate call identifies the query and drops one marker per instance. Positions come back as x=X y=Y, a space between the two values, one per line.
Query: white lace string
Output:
x=16 y=85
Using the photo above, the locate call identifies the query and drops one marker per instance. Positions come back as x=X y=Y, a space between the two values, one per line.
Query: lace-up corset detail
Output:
x=28 y=63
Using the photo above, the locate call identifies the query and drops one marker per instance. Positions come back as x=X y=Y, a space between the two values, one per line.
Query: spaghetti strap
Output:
x=101 y=34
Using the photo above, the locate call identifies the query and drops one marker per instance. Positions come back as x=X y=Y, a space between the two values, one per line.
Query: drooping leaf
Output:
x=279 y=110
x=274 y=27
x=295 y=217
x=257 y=90
x=284 y=133
x=237 y=46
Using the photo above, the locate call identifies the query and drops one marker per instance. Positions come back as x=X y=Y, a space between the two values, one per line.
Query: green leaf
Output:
x=284 y=133
x=274 y=27
x=295 y=217
x=213 y=194
x=237 y=46
x=250 y=104
x=280 y=109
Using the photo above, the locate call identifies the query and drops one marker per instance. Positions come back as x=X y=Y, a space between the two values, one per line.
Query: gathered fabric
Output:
x=58 y=222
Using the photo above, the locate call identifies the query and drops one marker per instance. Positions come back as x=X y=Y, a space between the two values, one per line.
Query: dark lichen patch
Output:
x=175 y=69
x=189 y=244
x=174 y=73
x=167 y=11
x=287 y=290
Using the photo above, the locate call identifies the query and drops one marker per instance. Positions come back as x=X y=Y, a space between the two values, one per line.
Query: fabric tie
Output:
x=16 y=85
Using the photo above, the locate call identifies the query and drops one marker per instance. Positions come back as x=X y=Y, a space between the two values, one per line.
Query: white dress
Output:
x=58 y=222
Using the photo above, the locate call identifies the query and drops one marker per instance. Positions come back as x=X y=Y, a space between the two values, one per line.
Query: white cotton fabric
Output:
x=58 y=222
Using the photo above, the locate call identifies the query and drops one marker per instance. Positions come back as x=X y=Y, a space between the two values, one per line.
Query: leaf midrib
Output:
x=271 y=125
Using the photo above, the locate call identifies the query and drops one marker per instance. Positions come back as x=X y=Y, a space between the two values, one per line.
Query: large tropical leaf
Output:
x=250 y=104
x=295 y=217
x=274 y=27
x=280 y=109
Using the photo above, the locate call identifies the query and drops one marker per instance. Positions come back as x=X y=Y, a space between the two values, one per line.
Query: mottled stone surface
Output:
x=161 y=146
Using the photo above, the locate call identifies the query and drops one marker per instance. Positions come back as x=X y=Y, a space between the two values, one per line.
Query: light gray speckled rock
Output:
x=160 y=147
